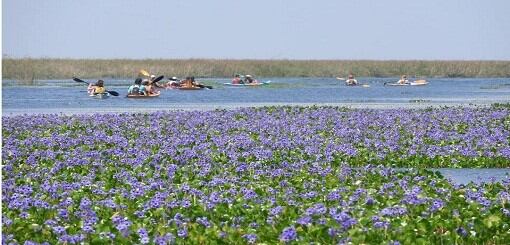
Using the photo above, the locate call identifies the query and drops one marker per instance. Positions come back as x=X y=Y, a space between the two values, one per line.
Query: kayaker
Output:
x=143 y=87
x=135 y=88
x=97 y=88
x=151 y=88
x=173 y=82
x=187 y=83
x=249 y=79
x=237 y=79
x=351 y=81
x=194 y=83
x=155 y=84
x=403 y=80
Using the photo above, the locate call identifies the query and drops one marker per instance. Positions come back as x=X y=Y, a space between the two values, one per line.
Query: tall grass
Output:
x=27 y=68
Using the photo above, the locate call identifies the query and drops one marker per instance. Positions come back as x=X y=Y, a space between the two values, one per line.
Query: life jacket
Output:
x=99 y=90
x=134 y=89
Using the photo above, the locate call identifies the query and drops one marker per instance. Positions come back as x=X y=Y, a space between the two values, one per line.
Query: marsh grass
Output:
x=28 y=69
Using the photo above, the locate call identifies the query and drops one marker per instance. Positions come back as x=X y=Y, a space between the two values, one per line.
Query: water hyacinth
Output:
x=254 y=175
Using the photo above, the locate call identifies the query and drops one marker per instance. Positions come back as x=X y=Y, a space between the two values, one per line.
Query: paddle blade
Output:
x=158 y=79
x=145 y=73
x=79 y=80
x=114 y=93
x=340 y=78
x=365 y=86
x=420 y=81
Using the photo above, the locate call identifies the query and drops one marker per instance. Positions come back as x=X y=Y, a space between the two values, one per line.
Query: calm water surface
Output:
x=70 y=97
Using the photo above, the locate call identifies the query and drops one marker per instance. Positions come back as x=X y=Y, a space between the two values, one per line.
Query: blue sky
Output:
x=263 y=29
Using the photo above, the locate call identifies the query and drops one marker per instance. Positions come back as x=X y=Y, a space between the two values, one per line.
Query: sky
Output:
x=262 y=29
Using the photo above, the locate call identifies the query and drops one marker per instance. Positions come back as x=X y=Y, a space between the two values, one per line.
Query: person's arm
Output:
x=91 y=88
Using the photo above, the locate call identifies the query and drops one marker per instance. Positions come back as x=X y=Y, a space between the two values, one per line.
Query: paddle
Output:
x=340 y=78
x=145 y=73
x=114 y=93
x=157 y=79
x=204 y=86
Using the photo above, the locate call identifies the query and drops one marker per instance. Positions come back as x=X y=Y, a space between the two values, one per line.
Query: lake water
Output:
x=465 y=175
x=70 y=97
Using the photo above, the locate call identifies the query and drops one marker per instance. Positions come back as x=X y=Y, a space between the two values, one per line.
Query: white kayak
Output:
x=100 y=95
x=415 y=83
x=247 y=84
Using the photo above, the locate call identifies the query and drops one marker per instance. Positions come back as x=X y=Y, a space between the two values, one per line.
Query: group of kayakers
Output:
x=248 y=79
x=149 y=86
x=350 y=81
x=144 y=86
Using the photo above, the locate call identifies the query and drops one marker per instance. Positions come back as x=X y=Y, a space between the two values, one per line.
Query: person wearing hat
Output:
x=173 y=82
x=155 y=84
x=237 y=79
x=351 y=81
x=403 y=80
x=97 y=88
x=249 y=79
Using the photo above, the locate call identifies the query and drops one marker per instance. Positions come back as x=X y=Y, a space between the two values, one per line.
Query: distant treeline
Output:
x=34 y=69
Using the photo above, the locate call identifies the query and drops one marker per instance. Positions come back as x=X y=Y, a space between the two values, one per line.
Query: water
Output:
x=466 y=175
x=70 y=97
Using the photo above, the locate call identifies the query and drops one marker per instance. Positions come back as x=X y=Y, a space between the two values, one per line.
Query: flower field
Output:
x=297 y=175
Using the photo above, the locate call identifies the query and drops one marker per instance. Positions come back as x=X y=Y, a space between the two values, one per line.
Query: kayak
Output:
x=247 y=84
x=188 y=88
x=415 y=83
x=358 y=85
x=100 y=95
x=141 y=96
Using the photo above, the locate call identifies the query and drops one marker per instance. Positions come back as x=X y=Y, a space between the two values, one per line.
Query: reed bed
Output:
x=28 y=69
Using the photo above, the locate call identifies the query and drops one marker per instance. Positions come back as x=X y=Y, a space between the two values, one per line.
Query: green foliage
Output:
x=28 y=69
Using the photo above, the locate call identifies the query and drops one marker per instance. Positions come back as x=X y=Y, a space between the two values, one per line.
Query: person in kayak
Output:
x=143 y=87
x=403 y=80
x=151 y=87
x=173 y=82
x=249 y=79
x=237 y=79
x=135 y=88
x=97 y=88
x=187 y=83
x=351 y=81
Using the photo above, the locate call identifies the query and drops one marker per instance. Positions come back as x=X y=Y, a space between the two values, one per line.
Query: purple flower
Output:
x=182 y=233
x=276 y=211
x=250 y=238
x=305 y=220
x=437 y=204
x=288 y=234
x=462 y=232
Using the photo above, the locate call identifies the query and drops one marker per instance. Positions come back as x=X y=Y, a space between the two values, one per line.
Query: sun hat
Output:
x=248 y=76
